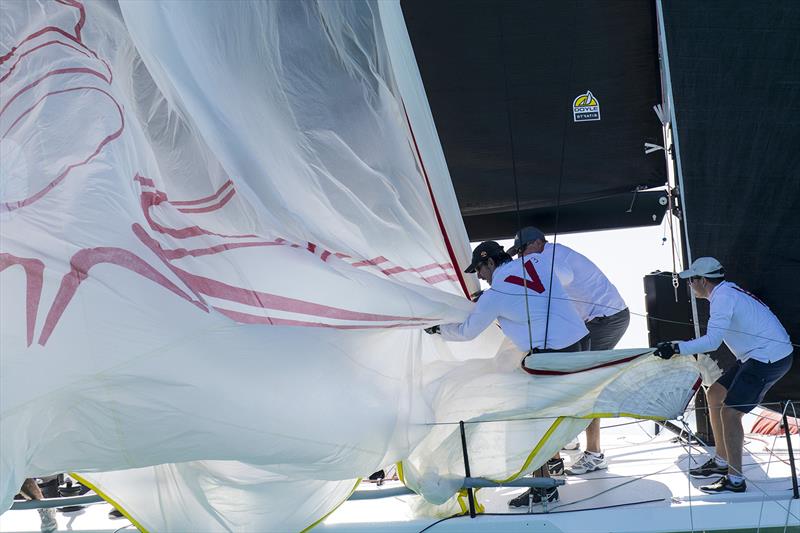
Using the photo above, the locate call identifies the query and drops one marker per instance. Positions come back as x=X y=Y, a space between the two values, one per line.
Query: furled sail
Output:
x=223 y=228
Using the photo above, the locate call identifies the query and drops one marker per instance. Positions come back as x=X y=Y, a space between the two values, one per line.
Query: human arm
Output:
x=484 y=313
x=721 y=315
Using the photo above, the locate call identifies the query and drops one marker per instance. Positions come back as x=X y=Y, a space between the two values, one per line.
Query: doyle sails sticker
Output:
x=585 y=108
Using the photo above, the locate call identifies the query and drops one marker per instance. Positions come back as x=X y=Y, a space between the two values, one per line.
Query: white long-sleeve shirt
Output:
x=589 y=289
x=745 y=324
x=505 y=302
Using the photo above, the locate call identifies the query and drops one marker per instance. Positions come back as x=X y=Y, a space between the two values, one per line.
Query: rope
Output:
x=637 y=478
x=514 y=172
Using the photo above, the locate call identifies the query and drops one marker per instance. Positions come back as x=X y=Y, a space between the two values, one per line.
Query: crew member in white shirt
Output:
x=536 y=315
x=598 y=303
x=537 y=325
x=764 y=355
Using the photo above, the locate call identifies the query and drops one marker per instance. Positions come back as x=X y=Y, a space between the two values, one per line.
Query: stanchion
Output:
x=470 y=496
x=788 y=443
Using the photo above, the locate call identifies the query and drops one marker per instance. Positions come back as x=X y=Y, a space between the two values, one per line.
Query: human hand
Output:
x=665 y=350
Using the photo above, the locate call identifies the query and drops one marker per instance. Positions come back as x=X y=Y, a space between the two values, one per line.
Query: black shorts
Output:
x=748 y=382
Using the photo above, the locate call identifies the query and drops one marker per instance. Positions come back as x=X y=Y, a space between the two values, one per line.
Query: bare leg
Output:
x=734 y=438
x=716 y=395
x=31 y=490
x=593 y=436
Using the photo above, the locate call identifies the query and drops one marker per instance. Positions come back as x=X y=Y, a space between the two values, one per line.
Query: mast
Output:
x=674 y=169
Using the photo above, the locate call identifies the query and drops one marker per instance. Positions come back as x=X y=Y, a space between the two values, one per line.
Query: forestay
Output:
x=224 y=225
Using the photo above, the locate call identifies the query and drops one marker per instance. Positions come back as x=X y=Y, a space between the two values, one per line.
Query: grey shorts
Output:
x=606 y=331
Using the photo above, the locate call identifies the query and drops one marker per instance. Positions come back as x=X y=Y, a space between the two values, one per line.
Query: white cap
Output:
x=704 y=267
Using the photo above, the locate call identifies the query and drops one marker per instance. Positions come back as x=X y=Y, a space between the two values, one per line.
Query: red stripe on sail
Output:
x=247 y=318
x=71 y=70
x=11 y=206
x=436 y=207
x=34 y=279
x=209 y=198
x=83 y=261
x=48 y=43
x=264 y=300
x=208 y=208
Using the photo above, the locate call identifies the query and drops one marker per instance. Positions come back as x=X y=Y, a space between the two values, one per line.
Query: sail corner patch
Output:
x=585 y=107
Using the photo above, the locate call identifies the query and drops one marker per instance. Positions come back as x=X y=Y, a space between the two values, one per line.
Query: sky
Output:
x=625 y=256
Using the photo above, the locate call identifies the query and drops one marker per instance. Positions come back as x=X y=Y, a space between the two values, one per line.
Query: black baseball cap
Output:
x=482 y=252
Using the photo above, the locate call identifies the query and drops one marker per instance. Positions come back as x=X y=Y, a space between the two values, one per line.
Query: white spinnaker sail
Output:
x=220 y=240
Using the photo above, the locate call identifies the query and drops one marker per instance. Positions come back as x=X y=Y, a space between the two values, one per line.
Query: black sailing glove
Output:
x=665 y=350
x=433 y=330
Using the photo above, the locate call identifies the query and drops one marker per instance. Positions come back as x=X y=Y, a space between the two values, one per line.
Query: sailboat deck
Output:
x=645 y=487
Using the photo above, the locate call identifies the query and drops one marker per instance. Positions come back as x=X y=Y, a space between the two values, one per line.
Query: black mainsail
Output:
x=735 y=70
x=559 y=96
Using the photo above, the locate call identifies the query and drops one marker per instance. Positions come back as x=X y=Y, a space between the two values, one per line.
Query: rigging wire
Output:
x=688 y=478
x=516 y=185
x=514 y=171
x=766 y=471
x=752 y=482
x=797 y=424
x=558 y=193
x=637 y=478
x=642 y=315
x=554 y=417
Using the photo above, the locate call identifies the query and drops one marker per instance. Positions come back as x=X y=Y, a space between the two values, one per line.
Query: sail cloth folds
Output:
x=218 y=244
x=224 y=225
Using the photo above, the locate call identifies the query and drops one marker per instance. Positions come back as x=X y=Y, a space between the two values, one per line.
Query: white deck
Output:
x=644 y=489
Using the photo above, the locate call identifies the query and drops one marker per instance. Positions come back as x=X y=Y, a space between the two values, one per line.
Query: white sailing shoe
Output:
x=588 y=462
x=49 y=524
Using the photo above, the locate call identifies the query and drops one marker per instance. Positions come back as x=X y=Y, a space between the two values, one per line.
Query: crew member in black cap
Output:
x=532 y=309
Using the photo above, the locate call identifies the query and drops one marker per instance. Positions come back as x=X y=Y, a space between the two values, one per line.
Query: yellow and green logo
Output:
x=585 y=107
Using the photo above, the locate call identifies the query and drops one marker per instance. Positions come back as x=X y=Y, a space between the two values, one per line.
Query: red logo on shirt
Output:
x=751 y=295
x=534 y=284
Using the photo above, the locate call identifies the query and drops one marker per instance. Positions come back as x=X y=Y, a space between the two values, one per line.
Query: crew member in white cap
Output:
x=764 y=355
x=600 y=306
x=519 y=299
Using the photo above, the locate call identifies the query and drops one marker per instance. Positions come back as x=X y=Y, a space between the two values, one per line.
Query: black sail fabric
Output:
x=502 y=80
x=735 y=75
